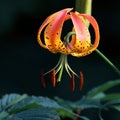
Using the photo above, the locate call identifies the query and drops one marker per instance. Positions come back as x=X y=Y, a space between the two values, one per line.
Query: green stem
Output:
x=108 y=61
x=83 y=6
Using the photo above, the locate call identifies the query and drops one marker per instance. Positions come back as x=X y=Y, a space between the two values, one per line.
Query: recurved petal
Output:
x=81 y=29
x=95 y=26
x=86 y=47
x=46 y=22
x=82 y=38
x=52 y=32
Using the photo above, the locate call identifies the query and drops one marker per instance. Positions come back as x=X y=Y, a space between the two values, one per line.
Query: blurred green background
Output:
x=22 y=59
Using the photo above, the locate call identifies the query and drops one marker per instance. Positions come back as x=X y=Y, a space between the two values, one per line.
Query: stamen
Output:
x=42 y=80
x=53 y=77
x=72 y=84
x=81 y=81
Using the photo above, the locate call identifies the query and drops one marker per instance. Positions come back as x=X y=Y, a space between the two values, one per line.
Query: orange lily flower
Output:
x=76 y=43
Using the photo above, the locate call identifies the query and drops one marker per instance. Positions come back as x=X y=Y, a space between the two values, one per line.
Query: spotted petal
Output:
x=82 y=38
x=95 y=26
x=52 y=32
x=83 y=45
x=47 y=21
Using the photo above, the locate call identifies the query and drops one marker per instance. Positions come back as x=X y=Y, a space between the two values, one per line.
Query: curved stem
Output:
x=108 y=61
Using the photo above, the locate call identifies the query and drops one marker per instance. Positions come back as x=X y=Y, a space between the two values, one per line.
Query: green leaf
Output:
x=112 y=96
x=16 y=100
x=27 y=107
x=113 y=102
x=39 y=101
x=116 y=107
x=35 y=114
x=110 y=104
x=99 y=96
x=83 y=103
x=10 y=99
x=100 y=89
x=34 y=102
x=3 y=114
x=87 y=103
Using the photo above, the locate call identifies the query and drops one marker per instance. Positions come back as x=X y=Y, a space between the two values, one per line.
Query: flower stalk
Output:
x=85 y=6
x=108 y=61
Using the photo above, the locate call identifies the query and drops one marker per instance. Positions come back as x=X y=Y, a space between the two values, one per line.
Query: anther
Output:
x=42 y=80
x=53 y=78
x=72 y=84
x=81 y=81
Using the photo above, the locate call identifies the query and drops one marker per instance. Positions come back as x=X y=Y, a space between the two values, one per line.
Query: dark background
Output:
x=22 y=59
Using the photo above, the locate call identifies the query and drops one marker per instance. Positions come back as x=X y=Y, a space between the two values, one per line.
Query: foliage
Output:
x=24 y=107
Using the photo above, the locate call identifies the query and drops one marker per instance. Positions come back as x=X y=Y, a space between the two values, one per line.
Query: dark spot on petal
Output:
x=47 y=37
x=87 y=46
